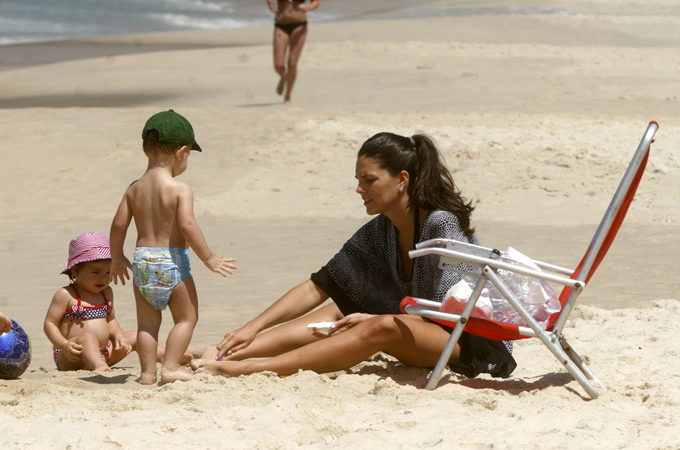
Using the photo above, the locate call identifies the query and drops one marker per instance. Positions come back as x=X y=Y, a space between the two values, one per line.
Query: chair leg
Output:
x=571 y=365
x=549 y=340
x=583 y=367
x=444 y=357
x=455 y=335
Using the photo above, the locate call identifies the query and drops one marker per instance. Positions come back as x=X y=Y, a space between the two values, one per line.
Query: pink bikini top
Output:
x=80 y=312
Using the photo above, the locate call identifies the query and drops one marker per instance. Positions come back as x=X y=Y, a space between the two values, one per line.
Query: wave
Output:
x=203 y=23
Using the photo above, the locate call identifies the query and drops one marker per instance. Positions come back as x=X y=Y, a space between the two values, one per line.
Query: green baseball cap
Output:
x=172 y=129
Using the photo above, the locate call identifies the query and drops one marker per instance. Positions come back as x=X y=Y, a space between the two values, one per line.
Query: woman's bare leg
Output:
x=288 y=336
x=280 y=45
x=297 y=41
x=410 y=339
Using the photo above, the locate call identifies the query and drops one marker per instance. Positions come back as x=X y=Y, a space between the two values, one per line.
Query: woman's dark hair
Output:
x=431 y=185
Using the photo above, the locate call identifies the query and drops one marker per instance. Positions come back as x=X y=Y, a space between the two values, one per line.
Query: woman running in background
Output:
x=290 y=31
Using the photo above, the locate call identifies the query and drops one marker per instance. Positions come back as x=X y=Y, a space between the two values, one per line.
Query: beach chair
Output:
x=455 y=255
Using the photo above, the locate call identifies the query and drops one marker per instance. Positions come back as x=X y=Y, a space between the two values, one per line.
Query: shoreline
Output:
x=543 y=64
x=469 y=25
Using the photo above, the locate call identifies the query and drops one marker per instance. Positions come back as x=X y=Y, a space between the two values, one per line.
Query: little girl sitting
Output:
x=81 y=322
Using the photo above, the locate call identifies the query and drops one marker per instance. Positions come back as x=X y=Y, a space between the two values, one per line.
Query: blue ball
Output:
x=15 y=352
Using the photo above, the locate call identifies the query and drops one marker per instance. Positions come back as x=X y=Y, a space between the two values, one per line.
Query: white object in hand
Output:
x=320 y=326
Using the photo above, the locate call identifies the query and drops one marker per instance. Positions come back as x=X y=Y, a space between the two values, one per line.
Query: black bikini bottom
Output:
x=289 y=27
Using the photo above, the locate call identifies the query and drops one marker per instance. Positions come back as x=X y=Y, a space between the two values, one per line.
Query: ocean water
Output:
x=23 y=21
x=48 y=20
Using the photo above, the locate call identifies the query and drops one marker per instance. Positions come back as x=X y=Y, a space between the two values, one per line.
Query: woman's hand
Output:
x=234 y=341
x=348 y=322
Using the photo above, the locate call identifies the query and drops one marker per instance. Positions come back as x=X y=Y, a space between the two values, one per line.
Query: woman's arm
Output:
x=442 y=224
x=273 y=5
x=295 y=303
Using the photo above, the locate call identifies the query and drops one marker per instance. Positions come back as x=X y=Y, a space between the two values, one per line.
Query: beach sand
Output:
x=537 y=116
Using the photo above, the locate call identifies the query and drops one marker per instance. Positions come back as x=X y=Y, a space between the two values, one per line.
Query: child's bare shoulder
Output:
x=63 y=295
x=132 y=188
x=180 y=188
x=108 y=292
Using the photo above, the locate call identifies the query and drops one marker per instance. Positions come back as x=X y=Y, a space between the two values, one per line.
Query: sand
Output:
x=537 y=116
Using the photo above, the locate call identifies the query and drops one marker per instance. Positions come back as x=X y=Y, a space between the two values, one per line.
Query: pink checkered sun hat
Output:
x=87 y=247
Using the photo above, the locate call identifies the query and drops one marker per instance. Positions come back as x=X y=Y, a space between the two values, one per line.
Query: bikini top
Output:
x=80 y=312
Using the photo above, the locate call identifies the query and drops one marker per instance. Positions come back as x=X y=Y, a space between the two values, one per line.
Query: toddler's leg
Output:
x=184 y=308
x=90 y=357
x=148 y=323
x=131 y=337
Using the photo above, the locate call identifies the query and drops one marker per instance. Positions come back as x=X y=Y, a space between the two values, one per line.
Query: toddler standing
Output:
x=163 y=209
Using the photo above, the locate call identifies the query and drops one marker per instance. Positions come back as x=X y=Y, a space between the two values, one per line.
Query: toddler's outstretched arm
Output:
x=194 y=236
x=119 y=226
x=221 y=265
x=119 y=269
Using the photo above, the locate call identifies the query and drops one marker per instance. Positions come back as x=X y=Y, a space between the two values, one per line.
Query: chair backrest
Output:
x=609 y=226
x=602 y=240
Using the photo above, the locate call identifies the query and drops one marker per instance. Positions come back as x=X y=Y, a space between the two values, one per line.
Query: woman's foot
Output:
x=281 y=86
x=200 y=363
x=226 y=368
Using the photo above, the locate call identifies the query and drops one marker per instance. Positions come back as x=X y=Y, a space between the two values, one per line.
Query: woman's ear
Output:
x=403 y=178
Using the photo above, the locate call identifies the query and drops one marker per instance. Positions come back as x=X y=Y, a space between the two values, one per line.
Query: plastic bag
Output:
x=537 y=296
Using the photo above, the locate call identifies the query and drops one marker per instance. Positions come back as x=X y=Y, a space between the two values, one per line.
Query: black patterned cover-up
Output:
x=369 y=270
x=366 y=276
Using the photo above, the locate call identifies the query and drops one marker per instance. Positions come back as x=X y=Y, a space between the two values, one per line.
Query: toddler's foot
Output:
x=147 y=379
x=179 y=374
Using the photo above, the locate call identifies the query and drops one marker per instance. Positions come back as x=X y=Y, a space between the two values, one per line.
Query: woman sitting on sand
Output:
x=405 y=182
x=290 y=31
